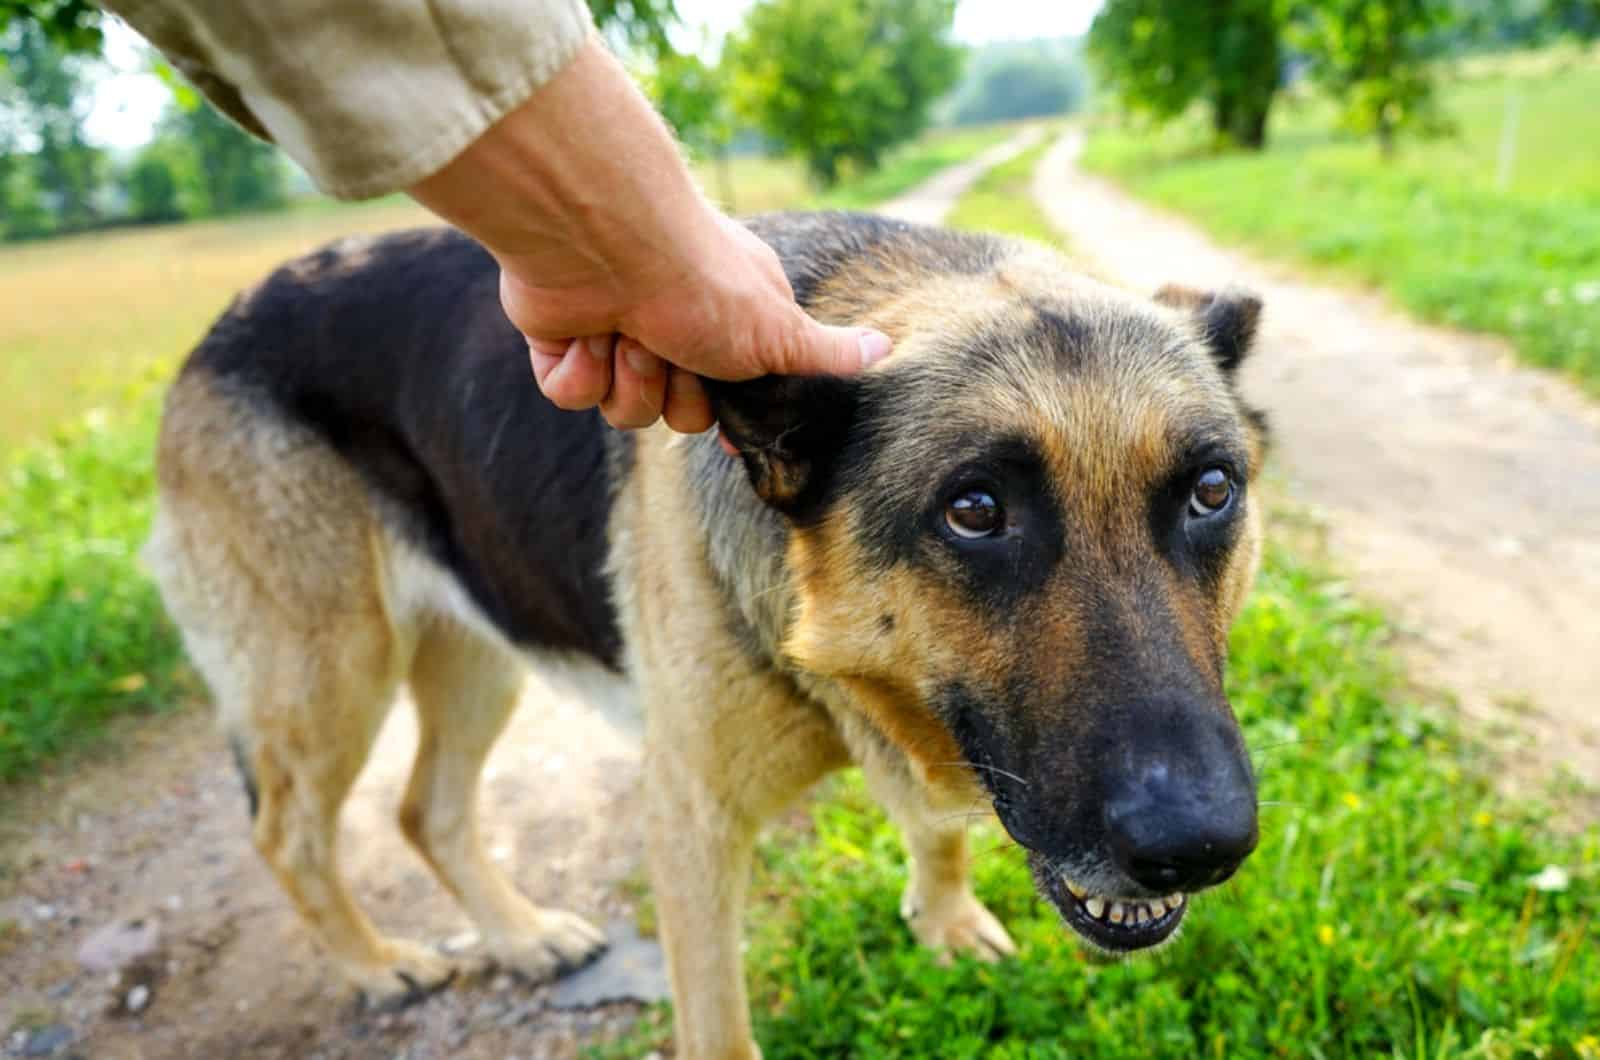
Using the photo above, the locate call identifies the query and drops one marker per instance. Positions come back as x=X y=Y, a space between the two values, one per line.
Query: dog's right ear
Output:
x=788 y=430
x=1228 y=319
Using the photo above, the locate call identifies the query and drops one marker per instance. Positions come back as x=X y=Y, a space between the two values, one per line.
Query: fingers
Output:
x=641 y=387
x=638 y=387
x=816 y=349
x=688 y=408
x=580 y=377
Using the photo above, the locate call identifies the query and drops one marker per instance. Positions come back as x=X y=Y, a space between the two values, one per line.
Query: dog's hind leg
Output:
x=465 y=688
x=938 y=902
x=307 y=740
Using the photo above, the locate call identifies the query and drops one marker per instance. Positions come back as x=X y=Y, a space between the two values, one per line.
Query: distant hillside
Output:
x=1018 y=79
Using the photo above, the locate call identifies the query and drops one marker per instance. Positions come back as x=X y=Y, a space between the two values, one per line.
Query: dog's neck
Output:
x=745 y=545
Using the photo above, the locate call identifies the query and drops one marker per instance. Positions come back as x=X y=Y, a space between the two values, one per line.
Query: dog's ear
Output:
x=789 y=431
x=1228 y=319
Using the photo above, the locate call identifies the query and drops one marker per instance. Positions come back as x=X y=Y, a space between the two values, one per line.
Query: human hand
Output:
x=726 y=312
x=627 y=284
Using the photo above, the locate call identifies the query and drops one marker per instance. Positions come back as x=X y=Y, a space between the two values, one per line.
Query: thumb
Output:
x=818 y=349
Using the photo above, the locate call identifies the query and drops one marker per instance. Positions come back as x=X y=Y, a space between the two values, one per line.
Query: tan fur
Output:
x=305 y=612
x=276 y=564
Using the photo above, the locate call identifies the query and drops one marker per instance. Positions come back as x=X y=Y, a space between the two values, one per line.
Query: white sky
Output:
x=127 y=103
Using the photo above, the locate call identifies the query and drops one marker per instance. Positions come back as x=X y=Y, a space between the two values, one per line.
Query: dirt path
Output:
x=928 y=202
x=1461 y=490
x=158 y=832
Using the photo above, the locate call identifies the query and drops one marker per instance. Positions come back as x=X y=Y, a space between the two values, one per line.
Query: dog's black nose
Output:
x=1175 y=827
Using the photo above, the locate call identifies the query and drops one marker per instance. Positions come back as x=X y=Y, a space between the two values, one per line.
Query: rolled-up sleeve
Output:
x=370 y=96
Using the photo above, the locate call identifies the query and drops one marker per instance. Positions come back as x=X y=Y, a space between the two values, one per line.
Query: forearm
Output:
x=585 y=166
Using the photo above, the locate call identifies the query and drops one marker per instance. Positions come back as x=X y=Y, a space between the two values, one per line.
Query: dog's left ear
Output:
x=1228 y=319
x=789 y=432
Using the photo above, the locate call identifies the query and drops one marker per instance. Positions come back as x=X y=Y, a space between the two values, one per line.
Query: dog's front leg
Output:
x=938 y=903
x=699 y=848
x=717 y=765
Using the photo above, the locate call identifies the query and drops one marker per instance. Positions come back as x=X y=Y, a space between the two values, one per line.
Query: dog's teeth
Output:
x=1172 y=901
x=1116 y=912
x=1145 y=914
x=1095 y=906
x=1076 y=891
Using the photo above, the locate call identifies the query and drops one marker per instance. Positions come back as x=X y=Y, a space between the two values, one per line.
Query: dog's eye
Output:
x=974 y=514
x=1212 y=492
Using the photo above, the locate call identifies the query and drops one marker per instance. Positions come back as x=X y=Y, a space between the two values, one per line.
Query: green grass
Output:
x=1002 y=199
x=1433 y=228
x=1391 y=909
x=82 y=628
x=82 y=635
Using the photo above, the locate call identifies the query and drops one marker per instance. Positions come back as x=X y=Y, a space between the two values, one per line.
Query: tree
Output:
x=1373 y=57
x=842 y=81
x=693 y=96
x=155 y=181
x=44 y=102
x=641 y=23
x=71 y=25
x=1160 y=56
x=234 y=171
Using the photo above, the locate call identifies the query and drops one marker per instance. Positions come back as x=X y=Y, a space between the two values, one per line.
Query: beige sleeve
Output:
x=370 y=96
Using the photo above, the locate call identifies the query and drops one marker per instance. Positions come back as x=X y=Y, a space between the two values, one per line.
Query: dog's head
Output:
x=1018 y=544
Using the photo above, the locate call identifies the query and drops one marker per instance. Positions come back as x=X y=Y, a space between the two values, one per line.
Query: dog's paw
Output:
x=554 y=944
x=406 y=974
x=956 y=923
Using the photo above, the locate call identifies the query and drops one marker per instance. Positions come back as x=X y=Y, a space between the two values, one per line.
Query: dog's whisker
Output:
x=979 y=765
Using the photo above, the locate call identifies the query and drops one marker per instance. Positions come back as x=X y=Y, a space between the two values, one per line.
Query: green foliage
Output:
x=83 y=631
x=640 y=23
x=1373 y=57
x=52 y=168
x=1434 y=229
x=693 y=96
x=1013 y=80
x=841 y=81
x=73 y=25
x=234 y=172
x=1161 y=56
x=153 y=182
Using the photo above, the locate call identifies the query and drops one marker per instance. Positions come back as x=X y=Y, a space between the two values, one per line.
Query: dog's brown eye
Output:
x=974 y=514
x=1212 y=491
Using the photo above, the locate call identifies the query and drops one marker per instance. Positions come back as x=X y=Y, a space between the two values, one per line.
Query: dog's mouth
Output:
x=1115 y=924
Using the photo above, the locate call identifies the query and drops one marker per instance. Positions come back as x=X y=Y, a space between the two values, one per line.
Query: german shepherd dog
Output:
x=1002 y=563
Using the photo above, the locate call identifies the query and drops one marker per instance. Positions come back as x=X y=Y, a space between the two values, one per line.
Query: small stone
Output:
x=502 y=983
x=138 y=999
x=46 y=1040
x=631 y=969
x=119 y=944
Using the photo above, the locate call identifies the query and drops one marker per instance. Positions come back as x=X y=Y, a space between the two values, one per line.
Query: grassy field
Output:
x=1442 y=228
x=90 y=327
x=1397 y=906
